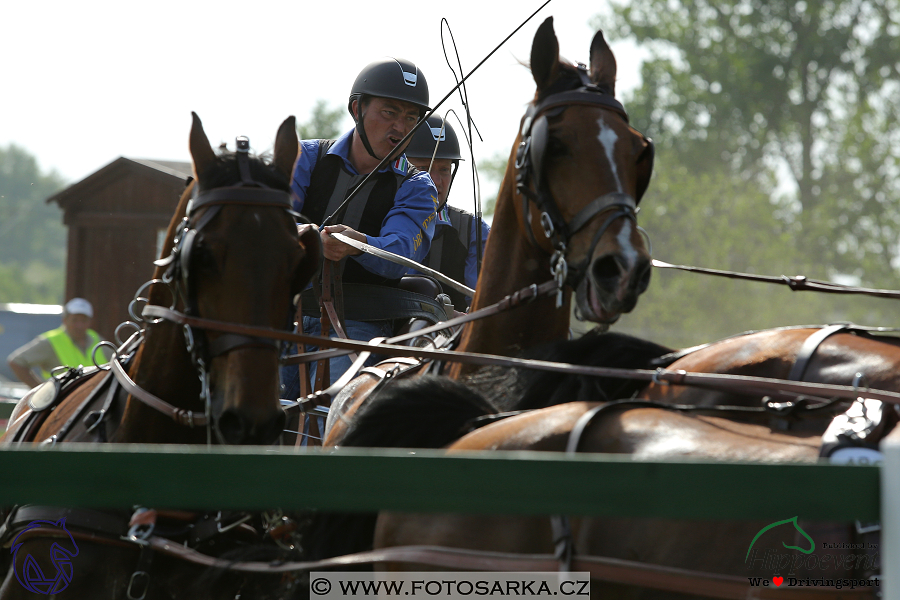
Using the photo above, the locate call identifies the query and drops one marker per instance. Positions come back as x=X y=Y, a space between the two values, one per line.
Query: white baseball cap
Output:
x=78 y=306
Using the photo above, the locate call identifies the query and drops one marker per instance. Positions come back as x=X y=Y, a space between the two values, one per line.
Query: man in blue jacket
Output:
x=435 y=148
x=395 y=211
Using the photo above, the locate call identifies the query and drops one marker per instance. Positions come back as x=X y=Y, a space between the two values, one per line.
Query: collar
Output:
x=341 y=148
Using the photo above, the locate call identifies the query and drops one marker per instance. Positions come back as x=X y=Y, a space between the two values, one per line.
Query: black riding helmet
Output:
x=388 y=78
x=430 y=134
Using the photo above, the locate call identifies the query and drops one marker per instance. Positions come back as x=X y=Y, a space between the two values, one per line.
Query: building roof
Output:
x=152 y=168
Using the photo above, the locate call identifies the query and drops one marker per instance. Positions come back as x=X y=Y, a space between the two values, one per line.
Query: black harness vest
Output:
x=330 y=183
x=449 y=251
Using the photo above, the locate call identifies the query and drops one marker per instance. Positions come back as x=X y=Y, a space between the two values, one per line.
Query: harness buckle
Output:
x=560 y=270
x=547 y=225
x=140 y=533
x=143 y=577
x=522 y=152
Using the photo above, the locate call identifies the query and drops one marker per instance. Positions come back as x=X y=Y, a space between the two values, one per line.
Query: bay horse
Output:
x=238 y=259
x=399 y=415
x=566 y=208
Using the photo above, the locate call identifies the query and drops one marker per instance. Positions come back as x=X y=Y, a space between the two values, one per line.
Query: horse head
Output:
x=580 y=173
x=242 y=261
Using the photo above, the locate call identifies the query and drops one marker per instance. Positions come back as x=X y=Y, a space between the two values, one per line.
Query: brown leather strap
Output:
x=797 y=283
x=745 y=384
x=809 y=347
x=179 y=415
x=613 y=570
x=695 y=583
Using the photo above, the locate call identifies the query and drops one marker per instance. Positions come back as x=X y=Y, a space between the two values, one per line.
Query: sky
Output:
x=86 y=82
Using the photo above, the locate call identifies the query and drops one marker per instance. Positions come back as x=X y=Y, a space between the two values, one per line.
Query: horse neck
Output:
x=163 y=367
x=512 y=262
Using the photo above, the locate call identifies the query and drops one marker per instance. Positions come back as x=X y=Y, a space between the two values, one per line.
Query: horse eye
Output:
x=556 y=148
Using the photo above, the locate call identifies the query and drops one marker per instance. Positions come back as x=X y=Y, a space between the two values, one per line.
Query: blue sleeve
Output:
x=407 y=229
x=472 y=257
x=303 y=168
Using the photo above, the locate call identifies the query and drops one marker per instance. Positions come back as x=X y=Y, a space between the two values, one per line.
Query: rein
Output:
x=743 y=383
x=797 y=283
x=611 y=570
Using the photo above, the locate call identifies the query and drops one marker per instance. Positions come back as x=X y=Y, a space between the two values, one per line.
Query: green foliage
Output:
x=32 y=237
x=716 y=221
x=324 y=123
x=777 y=153
x=491 y=171
x=802 y=89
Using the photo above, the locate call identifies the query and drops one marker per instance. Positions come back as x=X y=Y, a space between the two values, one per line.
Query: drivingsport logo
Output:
x=51 y=574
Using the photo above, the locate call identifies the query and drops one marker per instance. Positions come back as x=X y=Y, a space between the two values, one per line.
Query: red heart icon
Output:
x=777 y=581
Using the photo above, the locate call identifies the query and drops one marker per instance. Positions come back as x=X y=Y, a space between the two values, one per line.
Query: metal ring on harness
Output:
x=138 y=298
x=115 y=351
x=120 y=326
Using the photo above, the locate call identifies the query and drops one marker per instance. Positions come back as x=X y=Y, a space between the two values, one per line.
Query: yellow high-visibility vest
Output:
x=66 y=351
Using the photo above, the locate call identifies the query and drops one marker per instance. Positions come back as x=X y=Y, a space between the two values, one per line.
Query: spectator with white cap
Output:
x=70 y=345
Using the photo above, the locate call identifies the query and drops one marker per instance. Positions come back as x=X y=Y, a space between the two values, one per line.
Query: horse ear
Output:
x=201 y=150
x=603 y=64
x=286 y=147
x=545 y=55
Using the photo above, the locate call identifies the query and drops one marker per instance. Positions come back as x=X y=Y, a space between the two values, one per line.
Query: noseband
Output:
x=532 y=186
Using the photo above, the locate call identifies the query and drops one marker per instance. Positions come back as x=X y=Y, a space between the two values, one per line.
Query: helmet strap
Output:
x=361 y=130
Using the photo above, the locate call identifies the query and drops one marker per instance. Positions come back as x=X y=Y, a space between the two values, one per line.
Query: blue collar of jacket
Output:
x=341 y=148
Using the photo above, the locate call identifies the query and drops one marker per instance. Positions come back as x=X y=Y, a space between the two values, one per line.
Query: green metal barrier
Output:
x=431 y=481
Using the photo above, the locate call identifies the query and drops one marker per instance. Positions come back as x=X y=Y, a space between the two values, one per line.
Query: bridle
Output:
x=179 y=268
x=532 y=186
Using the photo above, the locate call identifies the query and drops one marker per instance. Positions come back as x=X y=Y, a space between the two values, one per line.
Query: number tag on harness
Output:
x=856 y=456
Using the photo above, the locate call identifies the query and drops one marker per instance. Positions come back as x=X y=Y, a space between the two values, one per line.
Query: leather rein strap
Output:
x=180 y=416
x=797 y=283
x=613 y=570
x=746 y=384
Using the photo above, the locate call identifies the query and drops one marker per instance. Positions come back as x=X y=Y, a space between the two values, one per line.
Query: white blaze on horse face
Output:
x=608 y=139
x=627 y=251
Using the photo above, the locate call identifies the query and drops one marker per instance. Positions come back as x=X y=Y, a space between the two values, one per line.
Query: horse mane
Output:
x=607 y=349
x=424 y=412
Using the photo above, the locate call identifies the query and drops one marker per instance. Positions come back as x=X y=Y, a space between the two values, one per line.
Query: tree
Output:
x=491 y=171
x=32 y=237
x=713 y=219
x=324 y=122
x=786 y=94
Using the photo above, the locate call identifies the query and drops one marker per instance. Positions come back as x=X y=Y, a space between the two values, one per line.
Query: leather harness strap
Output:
x=180 y=416
x=747 y=384
x=696 y=583
x=809 y=347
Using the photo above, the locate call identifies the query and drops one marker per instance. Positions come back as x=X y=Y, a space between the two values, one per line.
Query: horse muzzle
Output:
x=611 y=287
x=235 y=427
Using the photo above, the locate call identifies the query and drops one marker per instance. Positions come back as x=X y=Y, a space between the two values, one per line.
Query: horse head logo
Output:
x=812 y=544
x=30 y=574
